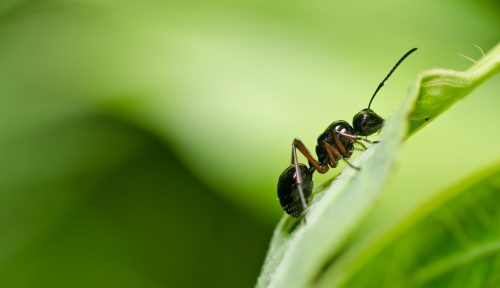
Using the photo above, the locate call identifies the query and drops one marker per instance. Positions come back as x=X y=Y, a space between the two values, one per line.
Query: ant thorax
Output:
x=335 y=130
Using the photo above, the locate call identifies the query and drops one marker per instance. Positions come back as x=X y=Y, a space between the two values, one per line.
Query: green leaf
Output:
x=437 y=89
x=299 y=254
x=452 y=240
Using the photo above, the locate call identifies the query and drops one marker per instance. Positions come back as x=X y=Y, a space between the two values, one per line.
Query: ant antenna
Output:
x=388 y=75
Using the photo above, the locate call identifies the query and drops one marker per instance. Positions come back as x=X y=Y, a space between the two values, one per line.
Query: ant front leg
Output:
x=357 y=139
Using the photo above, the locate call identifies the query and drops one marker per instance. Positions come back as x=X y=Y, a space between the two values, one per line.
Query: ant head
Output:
x=367 y=122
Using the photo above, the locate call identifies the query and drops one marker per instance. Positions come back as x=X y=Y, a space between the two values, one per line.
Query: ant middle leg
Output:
x=333 y=152
x=351 y=165
x=340 y=146
x=361 y=144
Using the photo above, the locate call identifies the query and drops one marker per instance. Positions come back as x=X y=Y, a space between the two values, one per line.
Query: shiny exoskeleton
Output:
x=336 y=143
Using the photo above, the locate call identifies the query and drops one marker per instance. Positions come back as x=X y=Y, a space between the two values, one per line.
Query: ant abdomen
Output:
x=288 y=190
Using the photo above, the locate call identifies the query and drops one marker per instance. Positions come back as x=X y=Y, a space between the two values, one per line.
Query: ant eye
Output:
x=367 y=122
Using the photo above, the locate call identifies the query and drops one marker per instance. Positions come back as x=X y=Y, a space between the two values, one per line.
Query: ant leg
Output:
x=298 y=172
x=331 y=151
x=368 y=141
x=356 y=138
x=303 y=149
x=340 y=146
x=348 y=136
x=297 y=144
x=365 y=139
x=353 y=137
x=362 y=145
x=350 y=164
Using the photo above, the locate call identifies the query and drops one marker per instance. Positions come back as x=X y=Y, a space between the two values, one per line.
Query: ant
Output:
x=335 y=143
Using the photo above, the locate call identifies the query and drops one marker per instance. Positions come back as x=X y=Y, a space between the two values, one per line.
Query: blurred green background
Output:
x=141 y=141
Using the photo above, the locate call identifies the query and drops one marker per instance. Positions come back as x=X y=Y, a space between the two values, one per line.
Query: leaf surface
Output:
x=452 y=240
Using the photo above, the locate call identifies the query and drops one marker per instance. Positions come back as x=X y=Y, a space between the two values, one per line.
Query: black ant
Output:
x=337 y=142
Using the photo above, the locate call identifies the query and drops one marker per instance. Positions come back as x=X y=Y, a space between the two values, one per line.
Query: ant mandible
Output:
x=335 y=143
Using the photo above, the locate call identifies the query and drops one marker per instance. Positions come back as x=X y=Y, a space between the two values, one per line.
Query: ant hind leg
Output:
x=299 y=178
